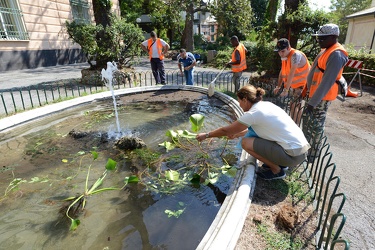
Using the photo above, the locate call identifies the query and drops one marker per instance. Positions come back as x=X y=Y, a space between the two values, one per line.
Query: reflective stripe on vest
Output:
x=318 y=74
x=242 y=66
x=159 y=48
x=300 y=74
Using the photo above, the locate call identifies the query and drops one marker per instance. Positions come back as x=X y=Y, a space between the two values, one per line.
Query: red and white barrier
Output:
x=354 y=64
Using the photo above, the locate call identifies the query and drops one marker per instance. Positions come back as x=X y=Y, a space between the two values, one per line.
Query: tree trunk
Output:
x=102 y=12
x=290 y=7
x=188 y=37
x=272 y=10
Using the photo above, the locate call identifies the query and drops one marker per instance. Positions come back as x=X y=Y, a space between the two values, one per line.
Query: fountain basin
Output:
x=226 y=227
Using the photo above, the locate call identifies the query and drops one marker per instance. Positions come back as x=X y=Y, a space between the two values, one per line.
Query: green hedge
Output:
x=262 y=59
x=368 y=66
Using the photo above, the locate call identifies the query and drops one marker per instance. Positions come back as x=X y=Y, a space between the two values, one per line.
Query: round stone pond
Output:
x=59 y=151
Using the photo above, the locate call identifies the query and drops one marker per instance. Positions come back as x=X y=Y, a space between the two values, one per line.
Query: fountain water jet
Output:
x=107 y=78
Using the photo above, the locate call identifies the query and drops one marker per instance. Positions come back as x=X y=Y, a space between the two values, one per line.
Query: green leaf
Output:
x=172 y=134
x=196 y=179
x=70 y=198
x=181 y=204
x=94 y=155
x=34 y=179
x=232 y=172
x=172 y=175
x=111 y=164
x=176 y=213
x=131 y=179
x=196 y=121
x=189 y=135
x=74 y=224
x=213 y=177
x=168 y=145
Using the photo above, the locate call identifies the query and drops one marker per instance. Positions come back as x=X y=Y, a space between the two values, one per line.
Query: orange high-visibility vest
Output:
x=242 y=66
x=159 y=47
x=300 y=75
x=318 y=74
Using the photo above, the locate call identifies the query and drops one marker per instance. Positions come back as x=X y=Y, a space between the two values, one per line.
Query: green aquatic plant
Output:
x=79 y=202
x=16 y=182
x=178 y=212
x=193 y=167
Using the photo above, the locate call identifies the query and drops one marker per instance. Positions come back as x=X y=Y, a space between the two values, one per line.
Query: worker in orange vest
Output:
x=156 y=49
x=321 y=86
x=293 y=75
x=238 y=61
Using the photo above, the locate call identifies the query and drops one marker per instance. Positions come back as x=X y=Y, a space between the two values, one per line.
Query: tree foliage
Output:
x=132 y=9
x=168 y=20
x=259 y=8
x=121 y=42
x=342 y=8
x=234 y=17
x=271 y=12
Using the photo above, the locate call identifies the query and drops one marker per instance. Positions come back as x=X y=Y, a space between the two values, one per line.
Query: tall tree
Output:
x=167 y=17
x=292 y=29
x=132 y=9
x=102 y=11
x=271 y=12
x=187 y=40
x=234 y=17
x=259 y=8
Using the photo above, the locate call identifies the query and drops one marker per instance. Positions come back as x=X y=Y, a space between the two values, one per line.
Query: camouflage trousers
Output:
x=313 y=126
x=236 y=80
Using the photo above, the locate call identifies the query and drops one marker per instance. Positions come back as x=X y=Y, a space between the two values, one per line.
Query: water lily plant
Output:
x=94 y=189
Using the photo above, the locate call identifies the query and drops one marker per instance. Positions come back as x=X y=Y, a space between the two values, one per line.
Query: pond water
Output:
x=52 y=166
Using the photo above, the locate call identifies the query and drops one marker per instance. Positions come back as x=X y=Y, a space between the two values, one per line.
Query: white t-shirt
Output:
x=154 y=47
x=272 y=123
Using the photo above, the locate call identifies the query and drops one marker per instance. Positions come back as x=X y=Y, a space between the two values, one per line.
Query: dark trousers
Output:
x=158 y=71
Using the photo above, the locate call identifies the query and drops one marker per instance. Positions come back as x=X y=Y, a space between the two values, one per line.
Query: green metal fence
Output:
x=317 y=171
x=15 y=100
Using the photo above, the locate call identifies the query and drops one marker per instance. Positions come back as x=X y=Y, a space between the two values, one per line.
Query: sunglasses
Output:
x=322 y=38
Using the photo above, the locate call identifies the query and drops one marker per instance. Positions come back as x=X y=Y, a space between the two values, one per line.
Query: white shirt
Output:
x=272 y=123
x=154 y=47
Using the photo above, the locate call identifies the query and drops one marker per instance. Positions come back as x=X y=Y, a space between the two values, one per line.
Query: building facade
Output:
x=33 y=34
x=206 y=25
x=361 y=29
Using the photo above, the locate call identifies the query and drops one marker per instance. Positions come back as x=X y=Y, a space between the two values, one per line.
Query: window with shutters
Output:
x=80 y=11
x=12 y=26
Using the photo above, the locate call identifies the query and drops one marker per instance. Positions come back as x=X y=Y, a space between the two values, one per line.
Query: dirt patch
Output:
x=359 y=111
x=268 y=202
x=277 y=220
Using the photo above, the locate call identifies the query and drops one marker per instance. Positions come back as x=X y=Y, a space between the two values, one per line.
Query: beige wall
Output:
x=361 y=32
x=45 y=21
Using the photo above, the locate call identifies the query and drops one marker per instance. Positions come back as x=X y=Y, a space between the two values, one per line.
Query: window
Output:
x=212 y=28
x=12 y=26
x=80 y=11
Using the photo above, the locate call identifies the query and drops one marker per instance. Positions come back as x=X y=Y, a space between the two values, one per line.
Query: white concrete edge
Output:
x=227 y=225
